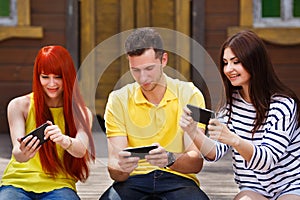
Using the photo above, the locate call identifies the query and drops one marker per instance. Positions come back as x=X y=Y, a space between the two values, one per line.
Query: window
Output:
x=15 y=20
x=276 y=13
x=8 y=13
x=256 y=15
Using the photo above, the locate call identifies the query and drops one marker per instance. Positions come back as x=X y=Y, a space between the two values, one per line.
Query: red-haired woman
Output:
x=50 y=170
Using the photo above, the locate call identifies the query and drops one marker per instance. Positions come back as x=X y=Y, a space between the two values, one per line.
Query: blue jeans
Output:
x=155 y=185
x=12 y=193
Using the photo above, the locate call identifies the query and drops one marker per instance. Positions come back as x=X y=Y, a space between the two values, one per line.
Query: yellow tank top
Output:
x=29 y=175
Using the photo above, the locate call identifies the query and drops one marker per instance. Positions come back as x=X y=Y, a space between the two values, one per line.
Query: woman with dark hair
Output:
x=259 y=120
x=50 y=170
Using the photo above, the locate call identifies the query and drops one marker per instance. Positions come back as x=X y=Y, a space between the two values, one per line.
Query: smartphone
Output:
x=39 y=132
x=201 y=115
x=141 y=151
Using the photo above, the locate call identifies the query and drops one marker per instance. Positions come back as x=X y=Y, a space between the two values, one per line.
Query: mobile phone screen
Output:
x=39 y=132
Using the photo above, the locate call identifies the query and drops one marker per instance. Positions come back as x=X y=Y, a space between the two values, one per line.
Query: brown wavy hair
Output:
x=57 y=60
x=251 y=52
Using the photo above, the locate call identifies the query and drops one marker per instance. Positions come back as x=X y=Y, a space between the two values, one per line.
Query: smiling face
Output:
x=234 y=70
x=53 y=87
x=147 y=70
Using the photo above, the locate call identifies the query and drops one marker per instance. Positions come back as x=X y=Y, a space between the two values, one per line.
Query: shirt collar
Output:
x=169 y=95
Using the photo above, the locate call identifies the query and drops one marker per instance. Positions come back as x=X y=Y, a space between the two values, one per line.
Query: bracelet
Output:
x=70 y=145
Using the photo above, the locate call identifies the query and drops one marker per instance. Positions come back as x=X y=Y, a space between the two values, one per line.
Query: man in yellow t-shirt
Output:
x=147 y=112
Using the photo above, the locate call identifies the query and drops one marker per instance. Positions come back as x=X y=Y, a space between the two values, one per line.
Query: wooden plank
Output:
x=162 y=14
x=182 y=17
x=23 y=7
x=20 y=32
x=143 y=13
x=18 y=56
x=15 y=73
x=221 y=7
x=49 y=6
x=50 y=21
x=71 y=30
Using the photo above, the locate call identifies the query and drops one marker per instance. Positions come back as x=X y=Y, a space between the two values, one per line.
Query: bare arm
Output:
x=204 y=144
x=77 y=146
x=17 y=111
x=220 y=132
x=190 y=161
x=120 y=165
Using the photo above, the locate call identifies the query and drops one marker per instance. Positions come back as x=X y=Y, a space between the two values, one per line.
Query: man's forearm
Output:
x=118 y=175
x=189 y=162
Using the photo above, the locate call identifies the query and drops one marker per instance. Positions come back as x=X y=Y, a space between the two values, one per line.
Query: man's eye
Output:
x=149 y=68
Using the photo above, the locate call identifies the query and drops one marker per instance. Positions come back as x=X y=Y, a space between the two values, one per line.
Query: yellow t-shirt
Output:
x=129 y=114
x=29 y=175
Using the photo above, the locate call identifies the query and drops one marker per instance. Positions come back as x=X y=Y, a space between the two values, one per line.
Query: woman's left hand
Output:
x=221 y=133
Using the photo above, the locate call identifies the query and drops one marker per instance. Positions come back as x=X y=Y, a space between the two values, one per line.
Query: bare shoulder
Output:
x=20 y=103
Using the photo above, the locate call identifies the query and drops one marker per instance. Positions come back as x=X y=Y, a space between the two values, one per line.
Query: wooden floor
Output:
x=216 y=178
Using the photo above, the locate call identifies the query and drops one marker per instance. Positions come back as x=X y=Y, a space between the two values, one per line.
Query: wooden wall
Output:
x=115 y=16
x=17 y=54
x=101 y=19
x=220 y=15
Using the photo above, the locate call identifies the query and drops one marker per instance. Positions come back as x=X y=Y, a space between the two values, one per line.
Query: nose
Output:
x=228 y=68
x=143 y=76
x=52 y=81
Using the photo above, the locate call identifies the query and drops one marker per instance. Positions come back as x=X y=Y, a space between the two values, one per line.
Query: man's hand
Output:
x=126 y=162
x=157 y=157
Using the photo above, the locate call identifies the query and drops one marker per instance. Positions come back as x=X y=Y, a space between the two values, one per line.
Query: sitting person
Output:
x=147 y=112
x=261 y=123
x=49 y=170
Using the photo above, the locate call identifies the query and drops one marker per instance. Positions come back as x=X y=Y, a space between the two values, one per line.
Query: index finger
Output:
x=214 y=121
x=187 y=111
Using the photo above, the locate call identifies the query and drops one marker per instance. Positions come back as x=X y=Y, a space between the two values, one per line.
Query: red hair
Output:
x=57 y=60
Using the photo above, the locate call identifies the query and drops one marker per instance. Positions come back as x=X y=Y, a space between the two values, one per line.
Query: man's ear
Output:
x=164 y=59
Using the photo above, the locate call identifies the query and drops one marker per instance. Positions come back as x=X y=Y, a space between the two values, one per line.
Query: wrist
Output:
x=236 y=141
x=70 y=143
x=171 y=159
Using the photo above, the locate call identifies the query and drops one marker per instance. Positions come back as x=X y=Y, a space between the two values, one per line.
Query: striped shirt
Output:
x=275 y=165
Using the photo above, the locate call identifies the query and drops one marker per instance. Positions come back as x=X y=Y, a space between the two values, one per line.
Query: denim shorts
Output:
x=11 y=192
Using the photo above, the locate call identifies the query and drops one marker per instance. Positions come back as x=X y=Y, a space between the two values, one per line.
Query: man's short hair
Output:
x=142 y=39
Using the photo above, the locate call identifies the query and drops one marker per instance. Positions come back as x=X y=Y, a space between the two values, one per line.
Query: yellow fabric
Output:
x=129 y=114
x=29 y=175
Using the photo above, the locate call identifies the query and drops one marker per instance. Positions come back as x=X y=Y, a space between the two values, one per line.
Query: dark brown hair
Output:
x=251 y=52
x=142 y=39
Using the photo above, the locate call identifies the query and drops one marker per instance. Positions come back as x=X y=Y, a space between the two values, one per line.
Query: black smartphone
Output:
x=201 y=115
x=39 y=132
x=141 y=151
